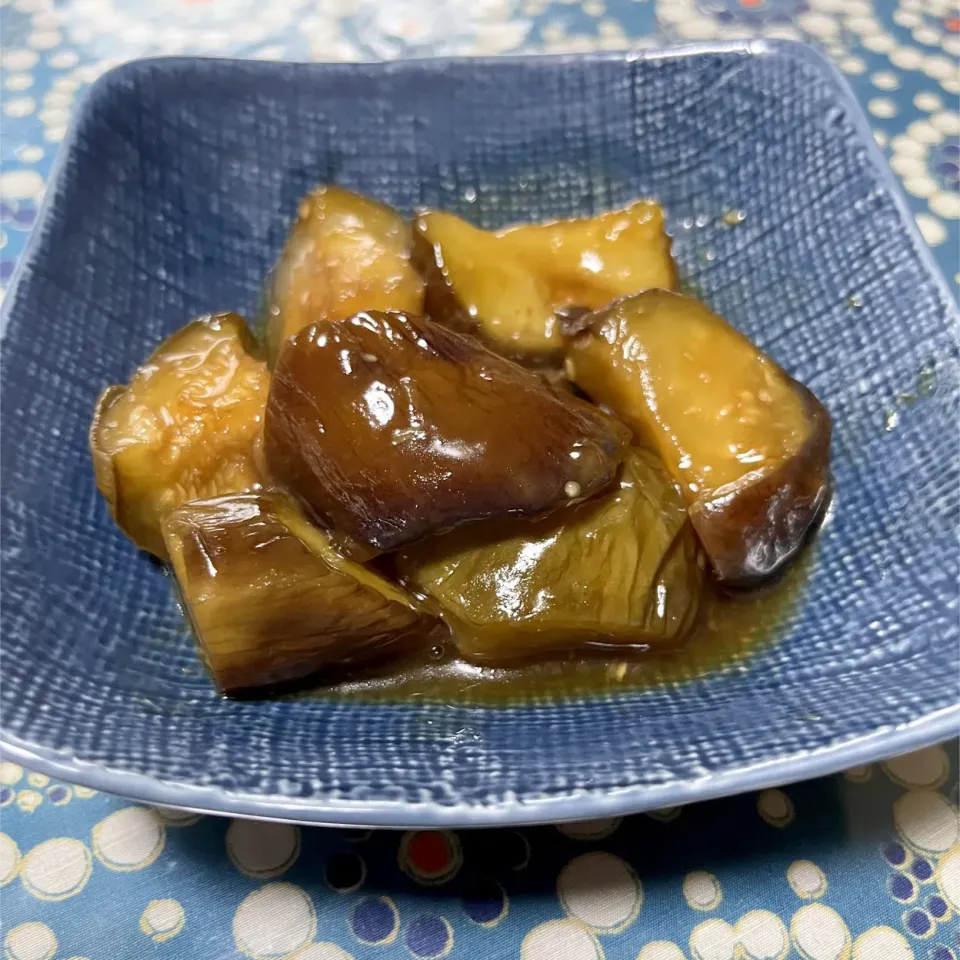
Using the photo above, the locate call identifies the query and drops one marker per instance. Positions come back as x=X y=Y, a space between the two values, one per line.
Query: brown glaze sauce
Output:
x=731 y=629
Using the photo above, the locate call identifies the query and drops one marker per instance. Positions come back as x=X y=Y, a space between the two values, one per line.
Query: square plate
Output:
x=171 y=198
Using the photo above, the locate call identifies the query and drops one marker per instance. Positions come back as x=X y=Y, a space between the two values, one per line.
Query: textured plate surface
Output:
x=172 y=199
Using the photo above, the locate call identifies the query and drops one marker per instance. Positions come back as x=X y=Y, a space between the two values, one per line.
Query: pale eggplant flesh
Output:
x=515 y=288
x=345 y=253
x=621 y=571
x=188 y=426
x=749 y=445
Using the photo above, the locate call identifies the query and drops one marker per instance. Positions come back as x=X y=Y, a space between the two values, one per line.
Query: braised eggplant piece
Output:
x=620 y=570
x=390 y=428
x=345 y=253
x=475 y=285
x=514 y=287
x=749 y=445
x=186 y=427
x=272 y=601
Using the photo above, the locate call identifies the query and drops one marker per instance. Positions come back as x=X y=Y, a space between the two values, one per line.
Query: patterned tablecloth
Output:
x=863 y=866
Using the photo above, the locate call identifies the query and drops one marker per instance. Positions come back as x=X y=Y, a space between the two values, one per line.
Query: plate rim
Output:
x=925 y=730
x=930 y=729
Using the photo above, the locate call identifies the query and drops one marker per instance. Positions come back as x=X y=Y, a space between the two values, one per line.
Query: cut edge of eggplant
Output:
x=781 y=506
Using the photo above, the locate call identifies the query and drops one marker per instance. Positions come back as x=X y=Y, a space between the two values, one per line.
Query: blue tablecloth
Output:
x=862 y=866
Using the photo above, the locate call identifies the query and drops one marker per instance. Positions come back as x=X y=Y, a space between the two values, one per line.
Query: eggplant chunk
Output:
x=390 y=428
x=475 y=286
x=188 y=426
x=621 y=570
x=345 y=253
x=749 y=445
x=272 y=601
x=513 y=287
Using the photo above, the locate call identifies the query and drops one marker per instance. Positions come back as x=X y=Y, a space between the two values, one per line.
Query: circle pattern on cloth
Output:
x=18 y=59
x=274 y=921
x=762 y=936
x=28 y=800
x=938 y=908
x=555 y=939
x=9 y=859
x=57 y=868
x=30 y=941
x=661 y=950
x=928 y=768
x=59 y=795
x=430 y=856
x=375 y=921
x=927 y=821
x=948 y=878
x=345 y=872
x=485 y=902
x=882 y=107
x=902 y=888
x=20 y=185
x=590 y=829
x=932 y=230
x=129 y=839
x=775 y=807
x=713 y=939
x=806 y=879
x=702 y=890
x=262 y=850
x=897 y=855
x=882 y=943
x=98 y=25
x=428 y=937
x=10 y=773
x=819 y=933
x=919 y=923
x=162 y=920
x=601 y=890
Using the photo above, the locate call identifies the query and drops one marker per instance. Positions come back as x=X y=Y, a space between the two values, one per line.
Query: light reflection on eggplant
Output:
x=426 y=432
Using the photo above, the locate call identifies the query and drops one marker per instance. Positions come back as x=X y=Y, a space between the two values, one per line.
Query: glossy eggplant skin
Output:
x=749 y=445
x=188 y=426
x=272 y=601
x=346 y=252
x=514 y=287
x=619 y=571
x=390 y=428
x=752 y=529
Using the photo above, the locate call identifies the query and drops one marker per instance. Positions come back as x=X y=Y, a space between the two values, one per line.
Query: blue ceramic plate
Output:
x=172 y=198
